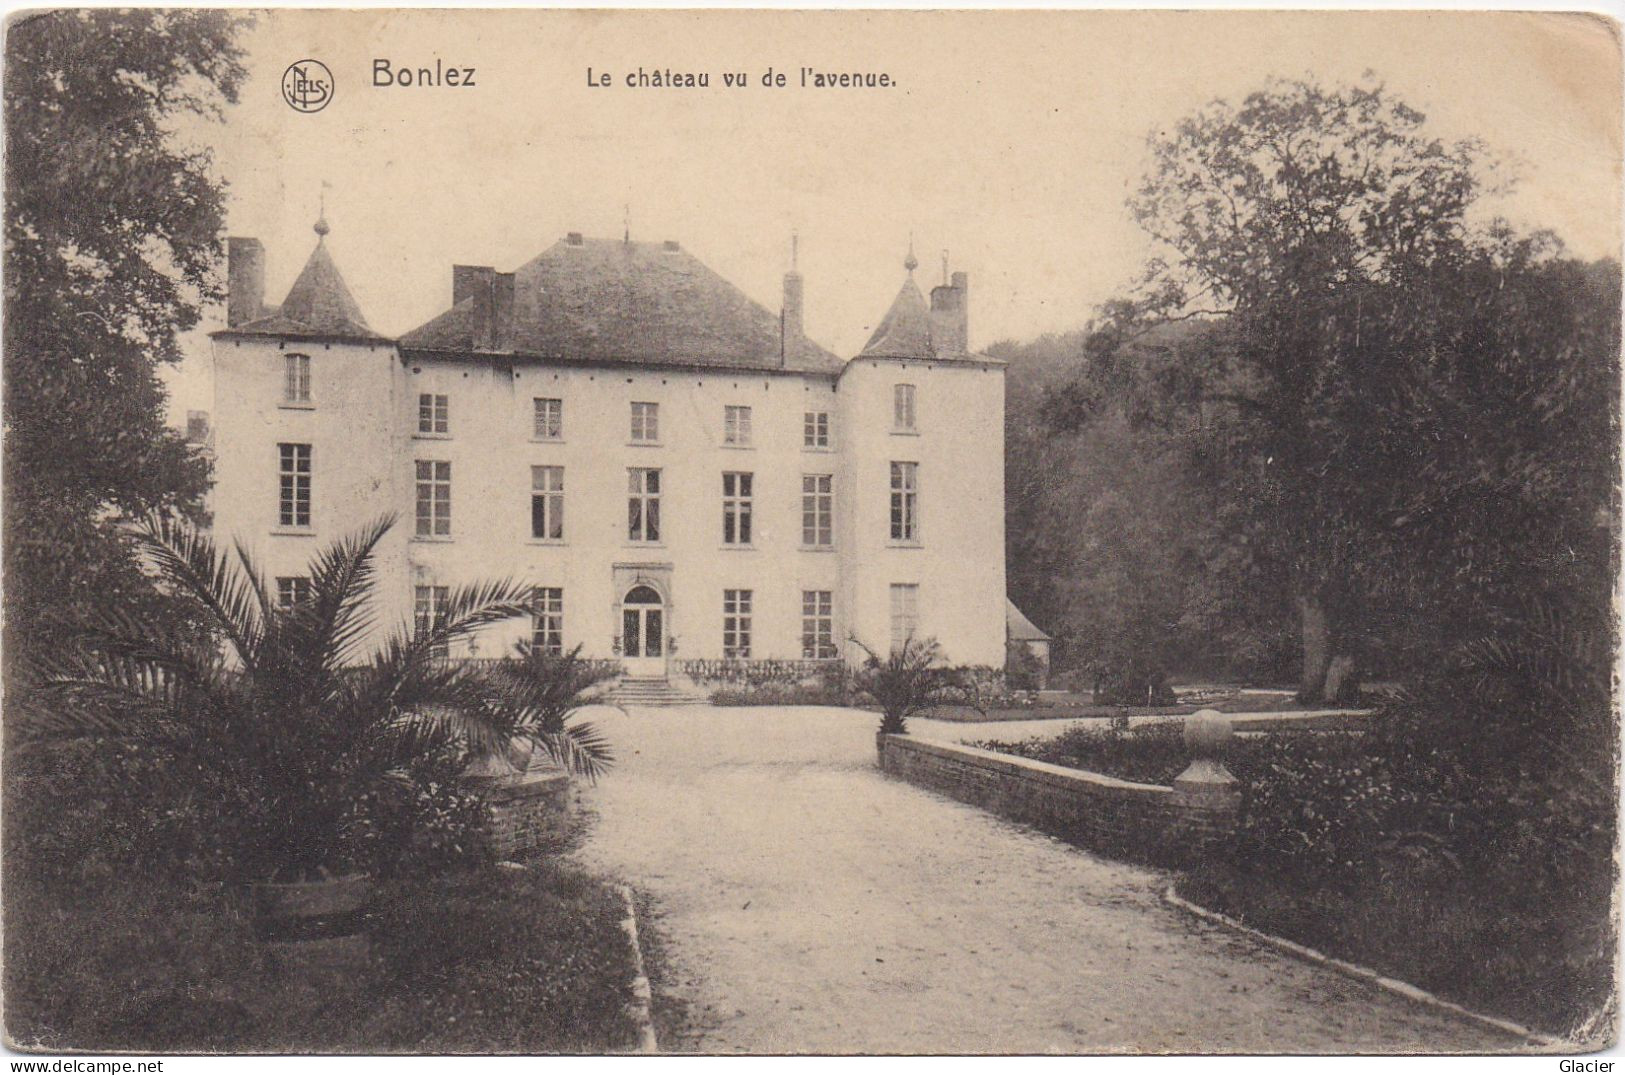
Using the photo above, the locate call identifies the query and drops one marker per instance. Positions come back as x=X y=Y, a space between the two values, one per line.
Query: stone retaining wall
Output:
x=1143 y=822
x=526 y=811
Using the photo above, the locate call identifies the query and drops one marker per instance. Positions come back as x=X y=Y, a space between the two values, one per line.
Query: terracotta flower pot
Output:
x=311 y=930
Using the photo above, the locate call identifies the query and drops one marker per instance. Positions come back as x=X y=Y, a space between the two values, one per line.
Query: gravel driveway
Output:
x=810 y=904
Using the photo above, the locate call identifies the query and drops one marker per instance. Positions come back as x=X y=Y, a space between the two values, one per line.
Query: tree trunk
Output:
x=1317 y=648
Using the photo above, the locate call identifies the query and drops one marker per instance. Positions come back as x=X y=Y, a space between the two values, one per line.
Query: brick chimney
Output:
x=245 y=281
x=950 y=316
x=502 y=312
x=479 y=283
x=790 y=328
x=791 y=331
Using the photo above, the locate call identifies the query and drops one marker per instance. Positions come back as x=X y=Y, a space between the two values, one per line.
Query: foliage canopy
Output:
x=113 y=230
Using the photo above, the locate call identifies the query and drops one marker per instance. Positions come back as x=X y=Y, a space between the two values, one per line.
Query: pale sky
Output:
x=1011 y=140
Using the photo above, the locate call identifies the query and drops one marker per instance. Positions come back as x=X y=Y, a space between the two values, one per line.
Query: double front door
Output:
x=643 y=632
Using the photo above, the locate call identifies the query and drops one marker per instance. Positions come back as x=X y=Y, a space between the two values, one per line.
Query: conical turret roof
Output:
x=318 y=304
x=905 y=331
x=321 y=300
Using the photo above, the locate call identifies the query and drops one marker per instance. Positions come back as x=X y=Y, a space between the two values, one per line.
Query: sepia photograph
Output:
x=790 y=532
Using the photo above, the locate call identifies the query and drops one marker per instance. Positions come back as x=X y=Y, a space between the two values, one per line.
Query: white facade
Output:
x=812 y=573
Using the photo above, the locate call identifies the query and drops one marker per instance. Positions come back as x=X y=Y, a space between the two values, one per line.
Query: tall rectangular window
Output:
x=905 y=614
x=815 y=429
x=429 y=614
x=548 y=419
x=434 y=498
x=547 y=503
x=643 y=504
x=905 y=505
x=547 y=620
x=903 y=407
x=818 y=510
x=736 y=508
x=296 y=378
x=736 y=624
x=646 y=422
x=817 y=625
x=736 y=425
x=434 y=413
x=293 y=484
x=291 y=591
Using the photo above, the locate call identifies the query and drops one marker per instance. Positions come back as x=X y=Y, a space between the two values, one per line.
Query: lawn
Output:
x=488 y=960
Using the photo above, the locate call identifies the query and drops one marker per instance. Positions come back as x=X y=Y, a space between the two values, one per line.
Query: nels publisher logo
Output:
x=307 y=86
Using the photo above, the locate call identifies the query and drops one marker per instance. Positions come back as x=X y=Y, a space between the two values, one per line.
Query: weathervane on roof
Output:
x=911 y=262
x=322 y=227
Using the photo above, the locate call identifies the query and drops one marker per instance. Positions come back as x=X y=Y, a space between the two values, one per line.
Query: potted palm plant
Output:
x=293 y=723
x=910 y=679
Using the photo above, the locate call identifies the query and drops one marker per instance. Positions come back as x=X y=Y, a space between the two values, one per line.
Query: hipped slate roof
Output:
x=1018 y=628
x=638 y=303
x=318 y=304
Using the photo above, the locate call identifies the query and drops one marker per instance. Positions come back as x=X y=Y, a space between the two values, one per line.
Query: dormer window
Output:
x=296 y=378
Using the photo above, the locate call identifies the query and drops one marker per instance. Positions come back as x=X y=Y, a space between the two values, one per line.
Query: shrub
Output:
x=437 y=823
x=81 y=811
x=1149 y=754
x=1135 y=684
x=1394 y=848
x=758 y=672
x=827 y=690
x=1023 y=670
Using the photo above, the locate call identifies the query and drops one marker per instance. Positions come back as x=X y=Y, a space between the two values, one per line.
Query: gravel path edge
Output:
x=642 y=998
x=1365 y=974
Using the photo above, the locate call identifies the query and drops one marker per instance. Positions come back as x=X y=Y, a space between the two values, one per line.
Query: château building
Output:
x=682 y=475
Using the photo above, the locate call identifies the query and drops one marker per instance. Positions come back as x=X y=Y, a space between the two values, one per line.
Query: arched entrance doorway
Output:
x=643 y=632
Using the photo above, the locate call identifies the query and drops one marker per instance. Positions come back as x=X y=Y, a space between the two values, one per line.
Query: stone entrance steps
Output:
x=652 y=691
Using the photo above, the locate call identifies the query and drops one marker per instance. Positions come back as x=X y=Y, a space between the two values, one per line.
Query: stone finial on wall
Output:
x=1207 y=782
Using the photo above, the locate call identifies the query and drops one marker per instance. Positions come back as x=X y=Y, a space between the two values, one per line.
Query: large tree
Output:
x=1316 y=222
x=113 y=227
